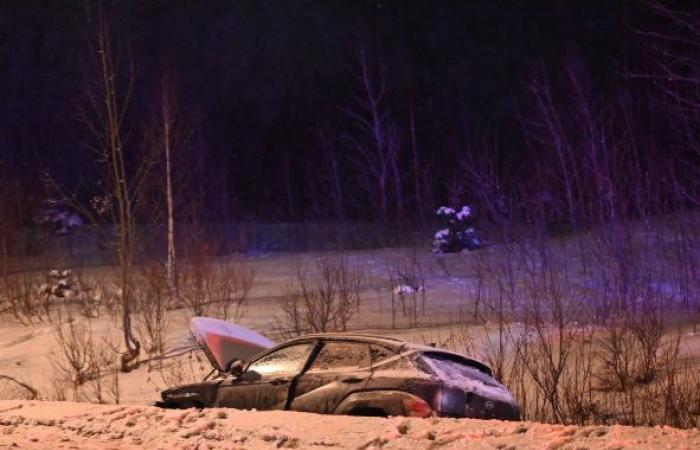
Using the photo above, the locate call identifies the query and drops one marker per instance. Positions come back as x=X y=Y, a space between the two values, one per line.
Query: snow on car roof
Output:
x=394 y=342
x=397 y=344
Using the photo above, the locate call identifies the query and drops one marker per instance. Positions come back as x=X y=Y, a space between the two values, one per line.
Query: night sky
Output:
x=259 y=81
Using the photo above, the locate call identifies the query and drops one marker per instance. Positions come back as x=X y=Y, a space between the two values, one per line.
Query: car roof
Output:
x=351 y=337
x=396 y=344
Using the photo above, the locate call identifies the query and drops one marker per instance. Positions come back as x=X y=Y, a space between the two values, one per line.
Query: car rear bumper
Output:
x=457 y=403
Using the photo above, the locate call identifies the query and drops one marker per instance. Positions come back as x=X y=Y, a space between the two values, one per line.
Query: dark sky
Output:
x=258 y=79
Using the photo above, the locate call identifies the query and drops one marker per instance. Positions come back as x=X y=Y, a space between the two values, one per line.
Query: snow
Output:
x=445 y=211
x=442 y=234
x=468 y=379
x=74 y=220
x=51 y=425
x=406 y=289
x=464 y=213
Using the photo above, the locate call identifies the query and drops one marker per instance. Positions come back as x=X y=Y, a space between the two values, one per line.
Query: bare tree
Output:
x=417 y=172
x=15 y=188
x=109 y=95
x=81 y=358
x=488 y=184
x=580 y=130
x=675 y=70
x=549 y=131
x=325 y=176
x=165 y=136
x=322 y=303
x=152 y=307
x=375 y=143
x=168 y=119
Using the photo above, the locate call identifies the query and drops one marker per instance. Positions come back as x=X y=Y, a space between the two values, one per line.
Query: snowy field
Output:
x=30 y=351
x=403 y=292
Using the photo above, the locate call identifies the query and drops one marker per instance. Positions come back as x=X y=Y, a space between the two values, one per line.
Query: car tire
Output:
x=367 y=411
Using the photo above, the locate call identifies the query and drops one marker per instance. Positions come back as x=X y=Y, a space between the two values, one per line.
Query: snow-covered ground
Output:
x=53 y=425
x=29 y=353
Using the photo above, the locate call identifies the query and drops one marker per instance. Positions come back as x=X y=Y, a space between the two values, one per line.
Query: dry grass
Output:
x=215 y=288
x=85 y=364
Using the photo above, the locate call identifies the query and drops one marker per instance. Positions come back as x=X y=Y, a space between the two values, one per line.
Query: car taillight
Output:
x=416 y=407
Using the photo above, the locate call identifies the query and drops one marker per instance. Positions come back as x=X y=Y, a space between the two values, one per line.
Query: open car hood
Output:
x=224 y=342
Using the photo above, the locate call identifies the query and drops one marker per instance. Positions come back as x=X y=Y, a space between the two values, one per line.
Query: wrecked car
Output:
x=340 y=373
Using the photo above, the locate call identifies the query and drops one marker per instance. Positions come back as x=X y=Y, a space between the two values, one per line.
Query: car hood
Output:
x=224 y=342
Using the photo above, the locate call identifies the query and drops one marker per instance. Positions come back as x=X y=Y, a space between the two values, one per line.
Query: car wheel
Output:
x=368 y=412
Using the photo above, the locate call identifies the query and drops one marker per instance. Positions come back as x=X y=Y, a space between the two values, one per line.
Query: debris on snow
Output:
x=406 y=289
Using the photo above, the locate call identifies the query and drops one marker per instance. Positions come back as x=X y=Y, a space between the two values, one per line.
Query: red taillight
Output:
x=416 y=407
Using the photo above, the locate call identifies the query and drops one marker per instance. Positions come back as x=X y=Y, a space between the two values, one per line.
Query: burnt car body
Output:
x=354 y=375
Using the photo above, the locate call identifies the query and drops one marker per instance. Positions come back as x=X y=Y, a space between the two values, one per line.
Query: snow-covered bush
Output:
x=63 y=287
x=59 y=284
x=458 y=233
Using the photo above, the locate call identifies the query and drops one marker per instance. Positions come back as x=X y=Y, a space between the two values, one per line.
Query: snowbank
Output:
x=34 y=424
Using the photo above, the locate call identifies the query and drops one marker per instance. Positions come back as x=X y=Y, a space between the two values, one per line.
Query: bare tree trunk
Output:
x=109 y=106
x=167 y=118
x=170 y=263
x=333 y=178
x=416 y=171
x=393 y=151
x=337 y=188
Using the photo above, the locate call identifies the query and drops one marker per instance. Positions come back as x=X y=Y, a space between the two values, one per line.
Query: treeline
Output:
x=327 y=111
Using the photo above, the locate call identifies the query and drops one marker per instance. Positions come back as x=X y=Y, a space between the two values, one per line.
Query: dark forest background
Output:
x=512 y=106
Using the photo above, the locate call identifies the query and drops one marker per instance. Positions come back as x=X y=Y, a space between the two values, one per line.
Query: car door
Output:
x=266 y=381
x=338 y=369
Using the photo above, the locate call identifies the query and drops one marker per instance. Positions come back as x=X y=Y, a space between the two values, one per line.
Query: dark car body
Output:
x=356 y=375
